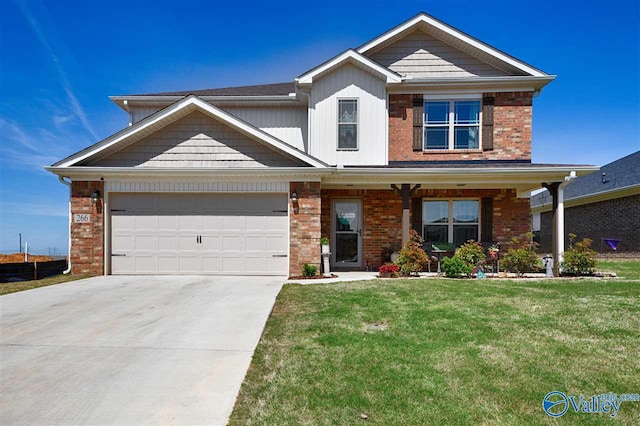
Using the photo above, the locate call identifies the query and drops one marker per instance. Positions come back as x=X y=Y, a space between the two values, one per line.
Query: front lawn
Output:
x=12 y=287
x=438 y=351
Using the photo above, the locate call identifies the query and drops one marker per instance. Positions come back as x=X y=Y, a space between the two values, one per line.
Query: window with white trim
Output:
x=452 y=124
x=348 y=124
x=451 y=221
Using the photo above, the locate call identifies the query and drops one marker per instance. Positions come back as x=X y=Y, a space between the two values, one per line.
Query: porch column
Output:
x=557 y=212
x=405 y=191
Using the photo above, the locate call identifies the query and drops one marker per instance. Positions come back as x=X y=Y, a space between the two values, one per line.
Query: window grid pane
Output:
x=436 y=113
x=436 y=138
x=467 y=138
x=348 y=111
x=467 y=112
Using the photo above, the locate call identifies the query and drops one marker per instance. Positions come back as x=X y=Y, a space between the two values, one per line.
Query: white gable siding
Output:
x=352 y=82
x=196 y=140
x=287 y=124
x=422 y=55
x=140 y=113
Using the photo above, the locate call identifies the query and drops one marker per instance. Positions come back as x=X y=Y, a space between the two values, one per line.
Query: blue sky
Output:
x=61 y=60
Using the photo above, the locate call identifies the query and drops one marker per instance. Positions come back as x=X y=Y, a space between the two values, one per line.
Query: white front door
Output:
x=347 y=233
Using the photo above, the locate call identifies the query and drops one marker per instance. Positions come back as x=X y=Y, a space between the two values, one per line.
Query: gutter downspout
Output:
x=560 y=213
x=61 y=179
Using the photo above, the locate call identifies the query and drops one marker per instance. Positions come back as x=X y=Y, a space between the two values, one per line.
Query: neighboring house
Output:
x=423 y=127
x=598 y=206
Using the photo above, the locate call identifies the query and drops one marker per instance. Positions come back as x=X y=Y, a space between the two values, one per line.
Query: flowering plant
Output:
x=389 y=268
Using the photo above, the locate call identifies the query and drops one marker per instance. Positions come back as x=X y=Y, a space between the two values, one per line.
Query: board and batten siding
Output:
x=422 y=55
x=196 y=140
x=287 y=124
x=350 y=82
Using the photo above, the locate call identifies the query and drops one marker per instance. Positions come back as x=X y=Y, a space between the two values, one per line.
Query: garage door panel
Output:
x=146 y=243
x=199 y=233
x=168 y=264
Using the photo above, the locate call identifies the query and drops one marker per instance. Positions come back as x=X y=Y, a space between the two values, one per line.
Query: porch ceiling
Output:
x=522 y=178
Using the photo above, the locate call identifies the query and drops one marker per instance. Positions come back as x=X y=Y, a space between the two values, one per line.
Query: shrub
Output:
x=389 y=269
x=471 y=253
x=324 y=241
x=522 y=256
x=579 y=259
x=455 y=267
x=412 y=258
x=309 y=270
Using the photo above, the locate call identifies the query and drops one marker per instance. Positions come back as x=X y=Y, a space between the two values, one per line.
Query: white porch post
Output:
x=559 y=231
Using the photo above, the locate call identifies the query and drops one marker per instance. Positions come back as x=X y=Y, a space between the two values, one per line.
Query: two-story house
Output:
x=423 y=127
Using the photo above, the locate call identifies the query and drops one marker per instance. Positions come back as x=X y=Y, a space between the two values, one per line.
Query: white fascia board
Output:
x=125 y=102
x=511 y=177
x=429 y=20
x=96 y=173
x=592 y=198
x=194 y=102
x=349 y=55
x=488 y=82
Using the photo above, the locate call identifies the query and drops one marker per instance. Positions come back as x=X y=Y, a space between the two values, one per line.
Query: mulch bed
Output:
x=313 y=277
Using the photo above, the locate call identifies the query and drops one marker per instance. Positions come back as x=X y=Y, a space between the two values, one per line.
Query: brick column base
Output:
x=304 y=225
x=87 y=239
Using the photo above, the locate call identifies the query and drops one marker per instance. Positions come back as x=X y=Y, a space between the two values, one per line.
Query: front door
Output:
x=347 y=233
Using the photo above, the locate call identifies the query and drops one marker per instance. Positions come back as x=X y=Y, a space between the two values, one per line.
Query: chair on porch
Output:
x=435 y=251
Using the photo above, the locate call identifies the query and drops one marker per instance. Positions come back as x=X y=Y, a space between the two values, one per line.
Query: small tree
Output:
x=522 y=256
x=412 y=258
x=579 y=259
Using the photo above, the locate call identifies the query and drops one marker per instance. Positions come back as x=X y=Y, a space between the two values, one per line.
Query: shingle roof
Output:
x=618 y=174
x=258 y=90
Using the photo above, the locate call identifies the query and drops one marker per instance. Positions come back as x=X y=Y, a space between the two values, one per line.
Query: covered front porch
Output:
x=367 y=213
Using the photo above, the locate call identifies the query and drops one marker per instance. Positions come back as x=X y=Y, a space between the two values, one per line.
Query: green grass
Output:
x=438 y=351
x=6 y=288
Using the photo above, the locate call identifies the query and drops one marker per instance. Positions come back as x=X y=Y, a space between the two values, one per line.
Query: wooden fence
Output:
x=26 y=271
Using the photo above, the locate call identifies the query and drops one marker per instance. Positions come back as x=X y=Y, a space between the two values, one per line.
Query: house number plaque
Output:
x=82 y=218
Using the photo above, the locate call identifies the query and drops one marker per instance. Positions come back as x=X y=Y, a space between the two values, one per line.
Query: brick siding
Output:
x=617 y=218
x=511 y=130
x=87 y=239
x=304 y=225
x=382 y=215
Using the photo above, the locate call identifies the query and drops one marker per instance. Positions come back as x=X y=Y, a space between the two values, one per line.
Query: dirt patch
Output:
x=19 y=258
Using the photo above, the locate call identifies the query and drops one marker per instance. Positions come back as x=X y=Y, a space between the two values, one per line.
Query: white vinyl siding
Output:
x=196 y=140
x=422 y=55
x=287 y=124
x=349 y=82
x=234 y=234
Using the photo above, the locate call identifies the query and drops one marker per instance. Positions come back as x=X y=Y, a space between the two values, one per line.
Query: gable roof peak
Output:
x=450 y=35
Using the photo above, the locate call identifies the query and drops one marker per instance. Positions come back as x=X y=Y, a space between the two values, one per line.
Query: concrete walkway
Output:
x=130 y=350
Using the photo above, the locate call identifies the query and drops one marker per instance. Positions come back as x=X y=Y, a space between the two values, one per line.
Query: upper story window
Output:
x=348 y=124
x=452 y=124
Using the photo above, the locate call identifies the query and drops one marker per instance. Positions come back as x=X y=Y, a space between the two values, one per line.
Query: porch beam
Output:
x=405 y=191
x=557 y=211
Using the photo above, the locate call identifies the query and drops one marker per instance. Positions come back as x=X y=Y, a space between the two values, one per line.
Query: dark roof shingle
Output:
x=618 y=174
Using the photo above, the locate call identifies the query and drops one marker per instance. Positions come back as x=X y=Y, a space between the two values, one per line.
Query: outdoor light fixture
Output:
x=95 y=196
x=294 y=195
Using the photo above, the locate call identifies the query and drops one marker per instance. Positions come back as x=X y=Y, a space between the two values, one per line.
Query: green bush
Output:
x=412 y=258
x=579 y=259
x=455 y=267
x=324 y=241
x=522 y=256
x=471 y=253
x=309 y=270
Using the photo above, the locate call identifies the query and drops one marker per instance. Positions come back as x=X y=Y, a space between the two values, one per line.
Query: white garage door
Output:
x=239 y=234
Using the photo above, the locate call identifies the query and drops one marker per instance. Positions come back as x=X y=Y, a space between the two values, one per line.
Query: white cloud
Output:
x=62 y=73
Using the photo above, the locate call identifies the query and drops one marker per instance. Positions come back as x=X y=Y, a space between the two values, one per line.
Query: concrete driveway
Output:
x=130 y=350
